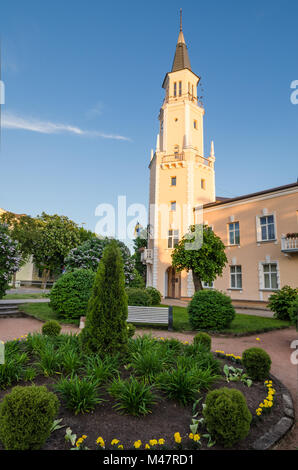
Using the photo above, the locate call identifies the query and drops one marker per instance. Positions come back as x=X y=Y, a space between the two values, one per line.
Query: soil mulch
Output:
x=167 y=418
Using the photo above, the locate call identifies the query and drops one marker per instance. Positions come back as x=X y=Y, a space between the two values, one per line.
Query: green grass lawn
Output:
x=241 y=325
x=42 y=311
x=37 y=295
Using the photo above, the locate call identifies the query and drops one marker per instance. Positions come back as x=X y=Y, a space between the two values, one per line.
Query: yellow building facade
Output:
x=182 y=192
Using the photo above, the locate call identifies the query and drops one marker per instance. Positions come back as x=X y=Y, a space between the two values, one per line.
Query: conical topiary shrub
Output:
x=106 y=330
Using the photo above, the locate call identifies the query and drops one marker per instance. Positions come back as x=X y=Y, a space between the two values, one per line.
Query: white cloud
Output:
x=12 y=121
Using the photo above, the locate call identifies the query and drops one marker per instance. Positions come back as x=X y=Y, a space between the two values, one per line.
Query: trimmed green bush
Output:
x=257 y=363
x=204 y=339
x=138 y=281
x=210 y=310
x=154 y=294
x=71 y=292
x=106 y=321
x=138 y=297
x=26 y=417
x=281 y=301
x=131 y=329
x=293 y=311
x=227 y=415
x=51 y=328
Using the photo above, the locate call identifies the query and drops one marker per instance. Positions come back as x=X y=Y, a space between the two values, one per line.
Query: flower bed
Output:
x=169 y=418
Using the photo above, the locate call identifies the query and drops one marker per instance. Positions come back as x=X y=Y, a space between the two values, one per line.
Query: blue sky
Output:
x=83 y=85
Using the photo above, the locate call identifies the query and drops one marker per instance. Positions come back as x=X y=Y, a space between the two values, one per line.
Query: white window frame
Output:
x=236 y=275
x=262 y=275
x=173 y=238
x=233 y=231
x=259 y=228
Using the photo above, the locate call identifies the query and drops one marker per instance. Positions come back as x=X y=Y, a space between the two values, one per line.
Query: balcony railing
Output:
x=289 y=244
x=176 y=157
x=147 y=256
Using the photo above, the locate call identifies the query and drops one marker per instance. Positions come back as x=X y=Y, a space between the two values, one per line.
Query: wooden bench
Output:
x=146 y=315
x=151 y=315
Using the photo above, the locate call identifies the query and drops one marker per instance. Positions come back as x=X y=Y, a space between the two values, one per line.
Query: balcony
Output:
x=173 y=161
x=289 y=243
x=147 y=256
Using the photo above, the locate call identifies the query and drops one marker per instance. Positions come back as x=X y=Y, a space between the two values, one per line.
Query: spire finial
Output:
x=180 y=19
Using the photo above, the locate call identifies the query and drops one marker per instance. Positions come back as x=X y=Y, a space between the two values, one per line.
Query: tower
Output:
x=180 y=176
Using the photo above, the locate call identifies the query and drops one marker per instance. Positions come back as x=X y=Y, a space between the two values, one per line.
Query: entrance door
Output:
x=174 y=283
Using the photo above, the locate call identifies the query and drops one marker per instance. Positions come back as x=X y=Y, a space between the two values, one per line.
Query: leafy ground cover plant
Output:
x=132 y=396
x=100 y=370
x=79 y=394
x=234 y=374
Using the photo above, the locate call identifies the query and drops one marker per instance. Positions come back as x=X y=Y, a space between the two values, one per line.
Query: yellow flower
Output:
x=84 y=436
x=120 y=447
x=137 y=444
x=161 y=441
x=114 y=441
x=196 y=437
x=190 y=435
x=100 y=441
x=153 y=442
x=177 y=437
x=147 y=446
x=258 y=339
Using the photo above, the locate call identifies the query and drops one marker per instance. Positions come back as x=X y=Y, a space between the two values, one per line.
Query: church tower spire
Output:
x=181 y=59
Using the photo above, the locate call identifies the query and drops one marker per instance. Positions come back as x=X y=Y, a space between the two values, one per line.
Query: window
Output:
x=180 y=88
x=236 y=277
x=173 y=180
x=270 y=276
x=161 y=127
x=173 y=205
x=195 y=124
x=176 y=150
x=175 y=89
x=208 y=285
x=173 y=238
x=267 y=228
x=203 y=184
x=234 y=233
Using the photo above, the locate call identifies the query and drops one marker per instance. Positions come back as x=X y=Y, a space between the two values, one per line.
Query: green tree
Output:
x=22 y=229
x=206 y=262
x=55 y=236
x=10 y=258
x=89 y=254
x=106 y=330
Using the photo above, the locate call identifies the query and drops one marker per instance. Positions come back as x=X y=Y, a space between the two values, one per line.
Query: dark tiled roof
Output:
x=181 y=60
x=247 y=196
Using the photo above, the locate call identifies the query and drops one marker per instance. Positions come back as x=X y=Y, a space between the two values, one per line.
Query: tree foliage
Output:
x=105 y=329
x=55 y=236
x=89 y=254
x=10 y=258
x=206 y=262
